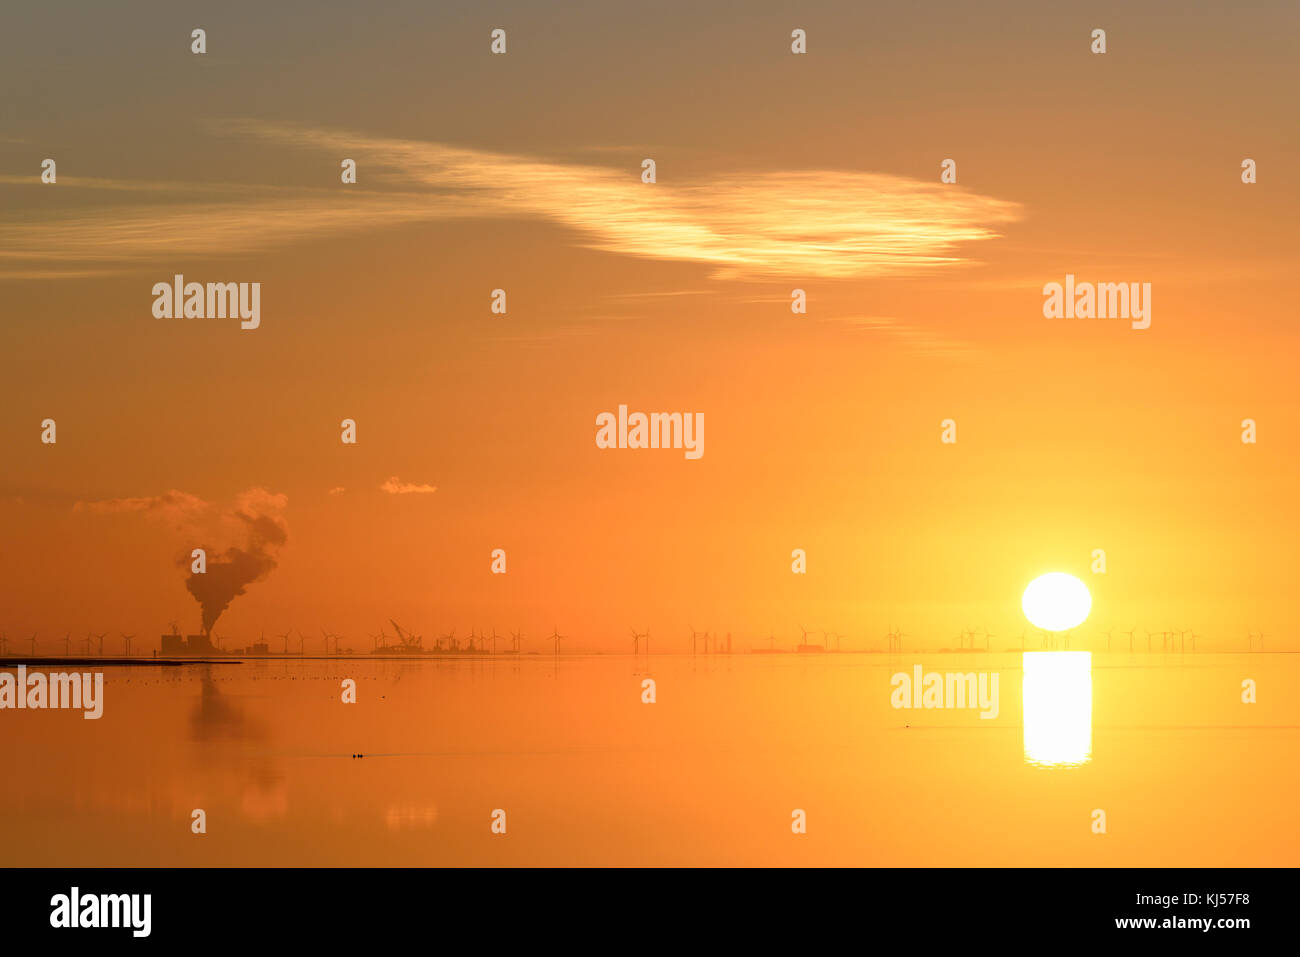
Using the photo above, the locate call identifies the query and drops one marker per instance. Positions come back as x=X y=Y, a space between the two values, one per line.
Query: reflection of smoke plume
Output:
x=228 y=574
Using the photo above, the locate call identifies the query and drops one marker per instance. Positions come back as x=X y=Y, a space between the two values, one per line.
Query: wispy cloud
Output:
x=174 y=507
x=134 y=186
x=395 y=486
x=809 y=223
x=914 y=338
x=184 y=511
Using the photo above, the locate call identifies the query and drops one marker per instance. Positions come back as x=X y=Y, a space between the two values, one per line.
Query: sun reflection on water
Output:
x=1057 y=694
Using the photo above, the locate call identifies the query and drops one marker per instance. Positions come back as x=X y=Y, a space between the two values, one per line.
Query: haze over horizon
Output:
x=774 y=172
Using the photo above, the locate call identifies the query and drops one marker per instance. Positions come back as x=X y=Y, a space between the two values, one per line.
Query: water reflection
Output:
x=1057 y=696
x=217 y=724
x=217 y=718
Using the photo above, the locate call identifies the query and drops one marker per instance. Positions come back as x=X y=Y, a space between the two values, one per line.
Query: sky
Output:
x=774 y=172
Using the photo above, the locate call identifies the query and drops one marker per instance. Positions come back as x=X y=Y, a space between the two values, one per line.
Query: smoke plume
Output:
x=232 y=571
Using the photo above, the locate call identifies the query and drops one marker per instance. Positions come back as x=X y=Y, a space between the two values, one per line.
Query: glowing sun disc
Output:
x=1056 y=602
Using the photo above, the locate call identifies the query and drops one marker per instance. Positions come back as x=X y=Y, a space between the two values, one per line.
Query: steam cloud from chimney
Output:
x=229 y=573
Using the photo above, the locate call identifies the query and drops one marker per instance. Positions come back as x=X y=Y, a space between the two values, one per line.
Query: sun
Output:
x=1056 y=602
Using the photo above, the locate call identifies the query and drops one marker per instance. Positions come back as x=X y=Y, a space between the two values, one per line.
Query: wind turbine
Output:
x=67 y=643
x=516 y=640
x=805 y=633
x=1107 y=634
x=987 y=635
x=895 y=639
x=494 y=639
x=1130 y=638
x=450 y=639
x=89 y=636
x=285 y=636
x=1149 y=636
x=1261 y=639
x=636 y=642
x=126 y=641
x=695 y=636
x=557 y=638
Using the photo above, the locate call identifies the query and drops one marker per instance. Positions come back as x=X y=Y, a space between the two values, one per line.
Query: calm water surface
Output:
x=587 y=774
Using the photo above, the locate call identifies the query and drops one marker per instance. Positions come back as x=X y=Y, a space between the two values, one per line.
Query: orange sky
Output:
x=775 y=171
